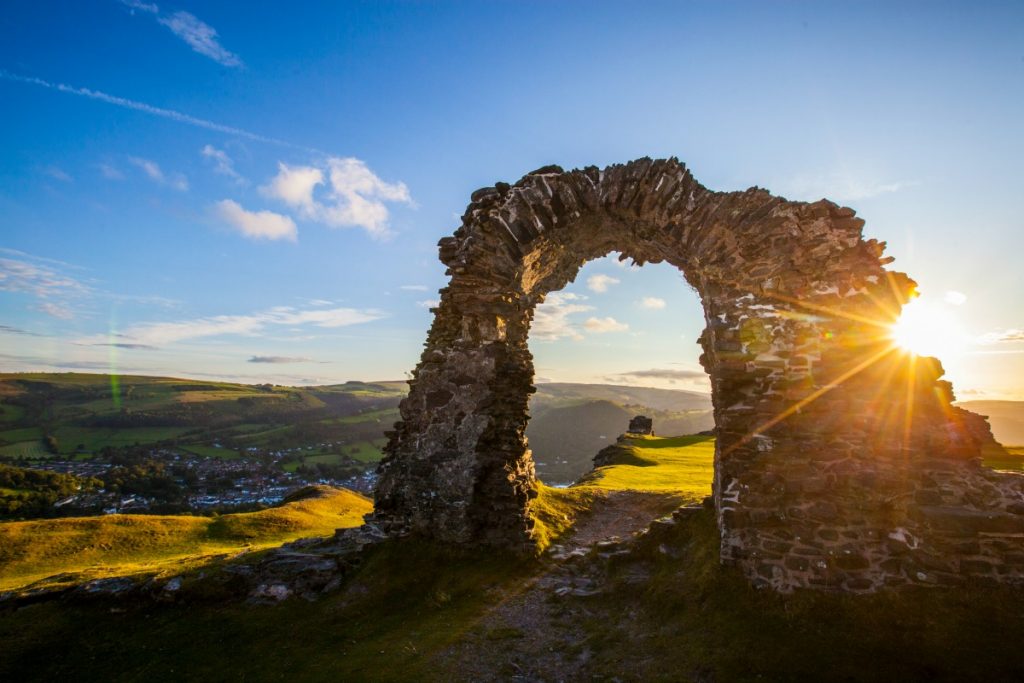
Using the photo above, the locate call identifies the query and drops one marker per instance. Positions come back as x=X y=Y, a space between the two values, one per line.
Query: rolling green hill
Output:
x=75 y=414
x=77 y=549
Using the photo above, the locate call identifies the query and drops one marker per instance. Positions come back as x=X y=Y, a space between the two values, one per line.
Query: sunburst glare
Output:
x=929 y=329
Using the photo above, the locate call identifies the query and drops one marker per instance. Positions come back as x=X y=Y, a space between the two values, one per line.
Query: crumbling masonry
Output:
x=840 y=462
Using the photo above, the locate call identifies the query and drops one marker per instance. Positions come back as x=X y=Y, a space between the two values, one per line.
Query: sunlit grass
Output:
x=680 y=468
x=118 y=545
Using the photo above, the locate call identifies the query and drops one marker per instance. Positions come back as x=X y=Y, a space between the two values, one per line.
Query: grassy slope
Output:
x=679 y=468
x=114 y=545
x=692 y=620
x=1010 y=458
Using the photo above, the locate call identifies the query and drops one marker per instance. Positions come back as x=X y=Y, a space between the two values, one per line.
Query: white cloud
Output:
x=429 y=303
x=201 y=37
x=603 y=325
x=37 y=279
x=839 y=185
x=294 y=187
x=551 y=318
x=58 y=173
x=156 y=174
x=280 y=359
x=1001 y=336
x=954 y=298
x=57 y=310
x=147 y=7
x=600 y=283
x=414 y=288
x=164 y=333
x=222 y=163
x=110 y=172
x=265 y=225
x=652 y=302
x=135 y=105
x=667 y=375
x=353 y=196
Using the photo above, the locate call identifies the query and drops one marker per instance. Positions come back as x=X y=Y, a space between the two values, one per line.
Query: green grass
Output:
x=23 y=434
x=211 y=452
x=117 y=545
x=93 y=439
x=677 y=467
x=1011 y=458
x=10 y=413
x=31 y=450
x=383 y=415
x=682 y=464
x=692 y=619
x=366 y=451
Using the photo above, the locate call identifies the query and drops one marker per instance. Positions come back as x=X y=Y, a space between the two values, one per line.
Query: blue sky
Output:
x=193 y=189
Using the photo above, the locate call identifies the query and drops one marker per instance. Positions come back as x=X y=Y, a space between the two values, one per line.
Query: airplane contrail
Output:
x=171 y=114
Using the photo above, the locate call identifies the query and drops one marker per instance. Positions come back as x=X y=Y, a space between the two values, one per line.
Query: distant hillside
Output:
x=656 y=399
x=565 y=439
x=1006 y=418
x=79 y=414
x=83 y=548
x=46 y=414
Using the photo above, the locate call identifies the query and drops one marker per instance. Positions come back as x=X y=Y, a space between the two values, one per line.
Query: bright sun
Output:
x=926 y=329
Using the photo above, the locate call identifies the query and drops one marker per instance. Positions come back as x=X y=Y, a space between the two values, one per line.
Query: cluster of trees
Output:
x=149 y=478
x=32 y=493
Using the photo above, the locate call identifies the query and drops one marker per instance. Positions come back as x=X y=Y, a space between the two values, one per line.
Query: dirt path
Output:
x=534 y=634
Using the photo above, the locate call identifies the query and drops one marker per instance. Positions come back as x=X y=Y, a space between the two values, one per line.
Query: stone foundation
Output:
x=840 y=461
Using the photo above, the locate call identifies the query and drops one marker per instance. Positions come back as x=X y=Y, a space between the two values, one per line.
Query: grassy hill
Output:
x=43 y=415
x=81 y=548
x=411 y=608
x=571 y=422
x=74 y=413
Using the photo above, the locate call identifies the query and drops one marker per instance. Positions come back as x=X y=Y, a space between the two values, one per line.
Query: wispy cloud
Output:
x=222 y=163
x=152 y=110
x=664 y=374
x=56 y=309
x=604 y=325
x=260 y=225
x=600 y=283
x=353 y=195
x=126 y=345
x=58 y=173
x=954 y=298
x=551 y=318
x=279 y=359
x=155 y=173
x=839 y=185
x=163 y=333
x=147 y=7
x=414 y=288
x=1001 y=336
x=110 y=172
x=652 y=302
x=428 y=303
x=39 y=278
x=7 y=329
x=201 y=37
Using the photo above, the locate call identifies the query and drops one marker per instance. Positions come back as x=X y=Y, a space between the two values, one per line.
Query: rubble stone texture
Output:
x=641 y=424
x=840 y=462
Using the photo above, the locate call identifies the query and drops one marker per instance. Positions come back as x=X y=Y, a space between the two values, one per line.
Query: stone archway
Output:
x=839 y=461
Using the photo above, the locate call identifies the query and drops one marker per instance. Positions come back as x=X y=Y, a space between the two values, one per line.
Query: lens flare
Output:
x=926 y=329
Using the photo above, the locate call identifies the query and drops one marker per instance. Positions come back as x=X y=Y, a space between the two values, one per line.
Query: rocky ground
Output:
x=538 y=631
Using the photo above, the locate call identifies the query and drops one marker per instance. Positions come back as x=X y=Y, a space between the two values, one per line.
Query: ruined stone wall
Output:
x=839 y=462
